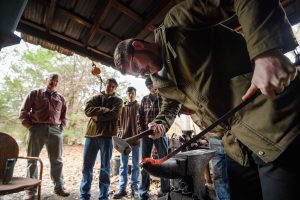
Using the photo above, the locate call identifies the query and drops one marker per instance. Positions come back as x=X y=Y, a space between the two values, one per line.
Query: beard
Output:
x=154 y=60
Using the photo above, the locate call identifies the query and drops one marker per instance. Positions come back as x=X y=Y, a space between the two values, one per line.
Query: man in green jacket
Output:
x=103 y=110
x=208 y=68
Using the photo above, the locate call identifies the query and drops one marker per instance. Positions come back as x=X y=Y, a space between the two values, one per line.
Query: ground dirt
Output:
x=72 y=158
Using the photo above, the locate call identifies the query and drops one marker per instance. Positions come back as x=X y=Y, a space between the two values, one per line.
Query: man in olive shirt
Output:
x=43 y=112
x=199 y=63
x=103 y=110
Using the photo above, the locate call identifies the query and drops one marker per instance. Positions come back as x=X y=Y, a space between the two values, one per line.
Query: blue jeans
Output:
x=219 y=166
x=161 y=145
x=91 y=147
x=135 y=170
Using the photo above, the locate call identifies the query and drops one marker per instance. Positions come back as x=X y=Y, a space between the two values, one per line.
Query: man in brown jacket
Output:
x=128 y=128
x=201 y=64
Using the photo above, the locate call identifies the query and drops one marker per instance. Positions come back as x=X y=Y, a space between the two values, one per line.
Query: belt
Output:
x=55 y=125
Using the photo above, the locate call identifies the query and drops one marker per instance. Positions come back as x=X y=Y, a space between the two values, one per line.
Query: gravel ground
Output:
x=72 y=157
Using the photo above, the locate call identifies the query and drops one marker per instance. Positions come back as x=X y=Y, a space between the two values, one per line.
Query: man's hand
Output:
x=272 y=73
x=158 y=130
x=95 y=118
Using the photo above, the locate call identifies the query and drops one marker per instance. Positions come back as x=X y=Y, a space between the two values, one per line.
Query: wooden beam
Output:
x=110 y=34
x=102 y=14
x=34 y=25
x=74 y=17
x=68 y=14
x=59 y=35
x=64 y=37
x=37 y=31
x=130 y=13
x=50 y=15
x=82 y=21
x=162 y=7
x=100 y=52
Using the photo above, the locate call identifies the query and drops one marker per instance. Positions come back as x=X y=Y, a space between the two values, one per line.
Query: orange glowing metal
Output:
x=226 y=116
x=153 y=161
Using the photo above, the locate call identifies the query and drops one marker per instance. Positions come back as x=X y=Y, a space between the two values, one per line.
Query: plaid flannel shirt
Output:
x=149 y=108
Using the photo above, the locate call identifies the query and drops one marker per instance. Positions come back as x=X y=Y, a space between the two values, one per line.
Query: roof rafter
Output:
x=95 y=28
x=50 y=15
x=56 y=38
x=161 y=8
x=122 y=8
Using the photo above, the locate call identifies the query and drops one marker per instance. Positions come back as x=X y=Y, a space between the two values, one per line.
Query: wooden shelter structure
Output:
x=93 y=28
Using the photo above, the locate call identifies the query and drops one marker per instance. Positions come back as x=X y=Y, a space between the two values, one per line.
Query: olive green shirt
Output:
x=104 y=112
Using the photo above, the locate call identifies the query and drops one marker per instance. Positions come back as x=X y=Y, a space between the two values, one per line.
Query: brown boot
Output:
x=119 y=194
x=62 y=192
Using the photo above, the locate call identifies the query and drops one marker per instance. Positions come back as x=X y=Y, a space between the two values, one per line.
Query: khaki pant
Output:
x=50 y=136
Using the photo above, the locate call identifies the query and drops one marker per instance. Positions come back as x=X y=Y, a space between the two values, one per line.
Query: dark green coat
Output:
x=104 y=112
x=209 y=69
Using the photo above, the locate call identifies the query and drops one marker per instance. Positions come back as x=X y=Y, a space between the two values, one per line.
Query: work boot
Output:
x=29 y=195
x=119 y=194
x=62 y=192
x=161 y=194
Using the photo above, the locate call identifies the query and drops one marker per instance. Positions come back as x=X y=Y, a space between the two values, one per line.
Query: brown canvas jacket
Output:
x=128 y=121
x=204 y=76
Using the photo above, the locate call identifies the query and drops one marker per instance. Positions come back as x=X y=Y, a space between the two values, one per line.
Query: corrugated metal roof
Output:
x=92 y=28
x=47 y=45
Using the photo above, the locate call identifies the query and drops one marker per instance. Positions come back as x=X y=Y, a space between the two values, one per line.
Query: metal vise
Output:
x=188 y=166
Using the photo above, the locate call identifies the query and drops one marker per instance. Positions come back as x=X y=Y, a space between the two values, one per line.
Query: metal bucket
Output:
x=115 y=165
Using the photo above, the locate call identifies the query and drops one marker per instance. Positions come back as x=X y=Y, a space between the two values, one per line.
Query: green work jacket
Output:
x=104 y=112
x=209 y=69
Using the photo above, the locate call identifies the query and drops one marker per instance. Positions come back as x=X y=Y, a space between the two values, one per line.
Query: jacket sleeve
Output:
x=141 y=117
x=120 y=123
x=93 y=107
x=63 y=117
x=264 y=23
x=25 y=109
x=168 y=112
x=113 y=113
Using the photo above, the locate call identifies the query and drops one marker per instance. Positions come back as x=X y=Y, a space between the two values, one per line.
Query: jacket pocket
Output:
x=235 y=149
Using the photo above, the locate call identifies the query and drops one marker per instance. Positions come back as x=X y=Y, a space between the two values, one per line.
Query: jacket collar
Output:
x=127 y=103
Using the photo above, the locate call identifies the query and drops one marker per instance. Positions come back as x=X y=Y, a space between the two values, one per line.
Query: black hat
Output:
x=148 y=81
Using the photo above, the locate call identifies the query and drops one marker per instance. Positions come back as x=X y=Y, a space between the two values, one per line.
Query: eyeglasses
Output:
x=134 y=68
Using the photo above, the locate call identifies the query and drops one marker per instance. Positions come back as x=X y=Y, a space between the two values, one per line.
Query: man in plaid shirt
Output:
x=149 y=108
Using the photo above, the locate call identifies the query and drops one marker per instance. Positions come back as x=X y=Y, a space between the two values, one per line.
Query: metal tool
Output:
x=124 y=145
x=206 y=130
